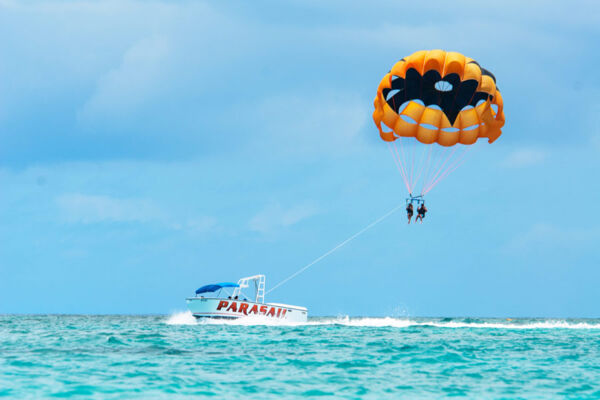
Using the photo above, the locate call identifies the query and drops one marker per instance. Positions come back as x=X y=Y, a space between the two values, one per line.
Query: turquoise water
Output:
x=145 y=357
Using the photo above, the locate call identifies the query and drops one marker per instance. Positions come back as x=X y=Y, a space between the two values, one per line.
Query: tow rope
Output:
x=339 y=246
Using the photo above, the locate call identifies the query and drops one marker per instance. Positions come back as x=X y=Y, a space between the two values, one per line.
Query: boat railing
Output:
x=259 y=287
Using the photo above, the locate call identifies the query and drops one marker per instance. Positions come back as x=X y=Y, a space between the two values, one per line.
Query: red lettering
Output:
x=271 y=312
x=253 y=310
x=283 y=312
x=233 y=307
x=243 y=308
x=263 y=309
x=278 y=312
x=222 y=304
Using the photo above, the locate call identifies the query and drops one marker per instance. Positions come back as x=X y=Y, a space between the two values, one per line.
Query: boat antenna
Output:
x=340 y=245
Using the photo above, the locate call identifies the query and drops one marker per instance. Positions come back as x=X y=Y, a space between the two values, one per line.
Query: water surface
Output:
x=121 y=357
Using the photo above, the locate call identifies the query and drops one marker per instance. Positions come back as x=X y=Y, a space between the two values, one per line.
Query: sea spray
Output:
x=181 y=318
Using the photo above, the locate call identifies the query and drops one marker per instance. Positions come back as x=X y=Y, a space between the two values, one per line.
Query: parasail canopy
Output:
x=430 y=101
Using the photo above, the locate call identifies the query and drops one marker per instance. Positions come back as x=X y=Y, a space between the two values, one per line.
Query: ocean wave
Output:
x=186 y=318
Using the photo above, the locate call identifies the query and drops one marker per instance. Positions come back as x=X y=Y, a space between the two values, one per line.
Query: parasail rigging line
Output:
x=400 y=167
x=438 y=156
x=441 y=168
x=428 y=164
x=337 y=247
x=456 y=163
x=402 y=163
x=422 y=165
x=403 y=159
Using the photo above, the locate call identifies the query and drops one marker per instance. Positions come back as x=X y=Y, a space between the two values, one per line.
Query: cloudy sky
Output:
x=148 y=148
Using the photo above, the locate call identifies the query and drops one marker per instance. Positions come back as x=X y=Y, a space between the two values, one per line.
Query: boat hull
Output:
x=202 y=307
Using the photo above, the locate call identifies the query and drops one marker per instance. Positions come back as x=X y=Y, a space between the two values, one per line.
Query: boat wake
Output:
x=458 y=323
x=186 y=318
x=181 y=318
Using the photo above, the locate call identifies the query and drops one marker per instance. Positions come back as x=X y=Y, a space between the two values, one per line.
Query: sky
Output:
x=150 y=147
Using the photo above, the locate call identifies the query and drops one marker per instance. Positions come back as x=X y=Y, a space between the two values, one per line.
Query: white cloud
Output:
x=132 y=83
x=274 y=217
x=197 y=225
x=549 y=236
x=90 y=209
x=82 y=208
x=148 y=68
x=521 y=158
x=312 y=123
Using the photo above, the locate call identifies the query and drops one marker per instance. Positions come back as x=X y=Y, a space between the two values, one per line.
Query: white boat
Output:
x=237 y=305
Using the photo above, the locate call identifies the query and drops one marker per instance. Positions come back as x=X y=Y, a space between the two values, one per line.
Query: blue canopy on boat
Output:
x=215 y=287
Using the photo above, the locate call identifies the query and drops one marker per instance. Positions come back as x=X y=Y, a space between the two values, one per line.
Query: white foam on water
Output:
x=251 y=320
x=517 y=325
x=405 y=323
x=181 y=318
x=186 y=318
x=365 y=322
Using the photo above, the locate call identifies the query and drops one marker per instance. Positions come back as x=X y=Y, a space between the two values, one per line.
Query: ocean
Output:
x=175 y=357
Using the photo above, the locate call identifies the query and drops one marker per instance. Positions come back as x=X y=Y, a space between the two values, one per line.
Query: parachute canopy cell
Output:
x=439 y=97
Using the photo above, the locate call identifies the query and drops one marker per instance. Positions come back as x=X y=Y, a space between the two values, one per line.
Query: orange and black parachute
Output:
x=430 y=102
x=439 y=97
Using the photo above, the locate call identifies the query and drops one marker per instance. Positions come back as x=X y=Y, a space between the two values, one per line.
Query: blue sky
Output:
x=148 y=148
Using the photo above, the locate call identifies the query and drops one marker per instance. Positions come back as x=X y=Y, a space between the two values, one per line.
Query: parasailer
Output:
x=430 y=108
x=409 y=211
x=421 y=212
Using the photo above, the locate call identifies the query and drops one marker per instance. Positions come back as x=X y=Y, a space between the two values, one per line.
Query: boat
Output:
x=236 y=305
